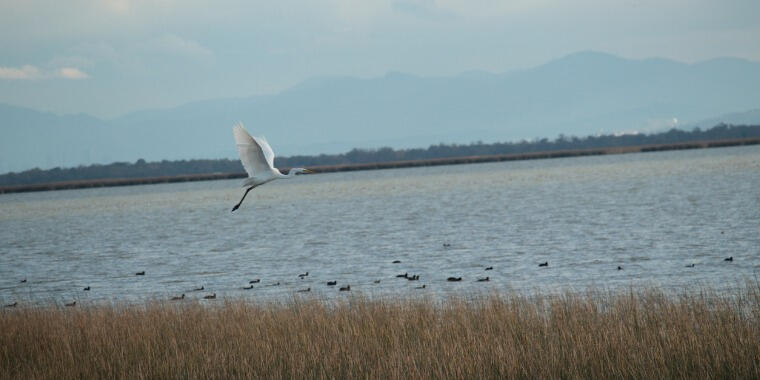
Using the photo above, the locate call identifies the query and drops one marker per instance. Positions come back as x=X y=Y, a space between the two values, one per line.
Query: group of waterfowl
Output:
x=87 y=289
x=207 y=297
x=344 y=288
x=258 y=281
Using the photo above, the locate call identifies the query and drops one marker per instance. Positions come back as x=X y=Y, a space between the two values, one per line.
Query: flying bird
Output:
x=258 y=160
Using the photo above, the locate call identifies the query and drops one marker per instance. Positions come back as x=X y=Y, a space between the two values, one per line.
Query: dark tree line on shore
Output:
x=141 y=168
x=361 y=156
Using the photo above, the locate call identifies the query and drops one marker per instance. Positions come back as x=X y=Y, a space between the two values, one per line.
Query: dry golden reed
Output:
x=644 y=334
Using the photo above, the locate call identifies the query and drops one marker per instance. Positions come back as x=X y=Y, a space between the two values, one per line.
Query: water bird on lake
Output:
x=276 y=284
x=446 y=245
x=22 y=281
x=256 y=281
x=730 y=258
x=302 y=275
x=177 y=298
x=345 y=288
x=396 y=262
x=304 y=290
x=454 y=279
x=210 y=297
x=258 y=161
x=489 y=268
x=405 y=275
x=377 y=281
x=421 y=287
x=413 y=278
x=199 y=289
x=72 y=304
x=141 y=273
x=12 y=304
x=690 y=265
x=619 y=267
x=248 y=287
x=544 y=264
x=86 y=289
x=332 y=283
x=485 y=279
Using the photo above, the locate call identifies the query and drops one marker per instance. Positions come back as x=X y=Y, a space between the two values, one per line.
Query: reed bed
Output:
x=635 y=334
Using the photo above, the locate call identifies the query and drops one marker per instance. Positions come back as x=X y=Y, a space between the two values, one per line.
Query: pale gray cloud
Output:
x=71 y=73
x=30 y=72
x=25 y=72
x=173 y=44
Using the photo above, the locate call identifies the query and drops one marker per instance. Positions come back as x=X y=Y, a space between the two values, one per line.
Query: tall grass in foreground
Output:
x=644 y=334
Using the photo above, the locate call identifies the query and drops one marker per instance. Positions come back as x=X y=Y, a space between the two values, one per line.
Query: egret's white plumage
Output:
x=257 y=157
x=258 y=160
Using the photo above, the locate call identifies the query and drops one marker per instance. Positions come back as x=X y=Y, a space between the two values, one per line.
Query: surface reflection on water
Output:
x=652 y=214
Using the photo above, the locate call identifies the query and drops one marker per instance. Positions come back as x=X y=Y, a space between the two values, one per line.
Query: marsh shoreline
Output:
x=68 y=185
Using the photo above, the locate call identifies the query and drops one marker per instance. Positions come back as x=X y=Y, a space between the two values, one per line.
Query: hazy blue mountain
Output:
x=30 y=139
x=580 y=94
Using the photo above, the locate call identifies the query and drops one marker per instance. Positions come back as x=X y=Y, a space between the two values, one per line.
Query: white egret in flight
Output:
x=258 y=160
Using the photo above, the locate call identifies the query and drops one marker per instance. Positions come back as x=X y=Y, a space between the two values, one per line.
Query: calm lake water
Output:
x=652 y=214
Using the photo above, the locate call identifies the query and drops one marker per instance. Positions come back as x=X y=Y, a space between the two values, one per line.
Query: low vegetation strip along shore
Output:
x=644 y=334
x=384 y=165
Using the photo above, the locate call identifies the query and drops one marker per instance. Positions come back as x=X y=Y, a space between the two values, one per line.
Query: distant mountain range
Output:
x=581 y=94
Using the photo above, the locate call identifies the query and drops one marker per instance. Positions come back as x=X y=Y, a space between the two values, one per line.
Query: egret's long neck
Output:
x=291 y=173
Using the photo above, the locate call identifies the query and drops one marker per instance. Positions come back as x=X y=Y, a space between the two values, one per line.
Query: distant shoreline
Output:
x=69 y=185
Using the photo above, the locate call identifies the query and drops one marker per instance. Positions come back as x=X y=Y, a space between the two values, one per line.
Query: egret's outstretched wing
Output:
x=266 y=149
x=251 y=154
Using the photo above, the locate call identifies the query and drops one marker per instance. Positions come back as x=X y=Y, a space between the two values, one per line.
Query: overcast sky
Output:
x=110 y=57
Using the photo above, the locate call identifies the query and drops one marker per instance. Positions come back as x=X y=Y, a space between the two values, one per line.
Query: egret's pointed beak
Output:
x=307 y=171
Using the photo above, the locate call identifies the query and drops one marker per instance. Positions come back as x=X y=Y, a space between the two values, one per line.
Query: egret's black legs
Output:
x=241 y=199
